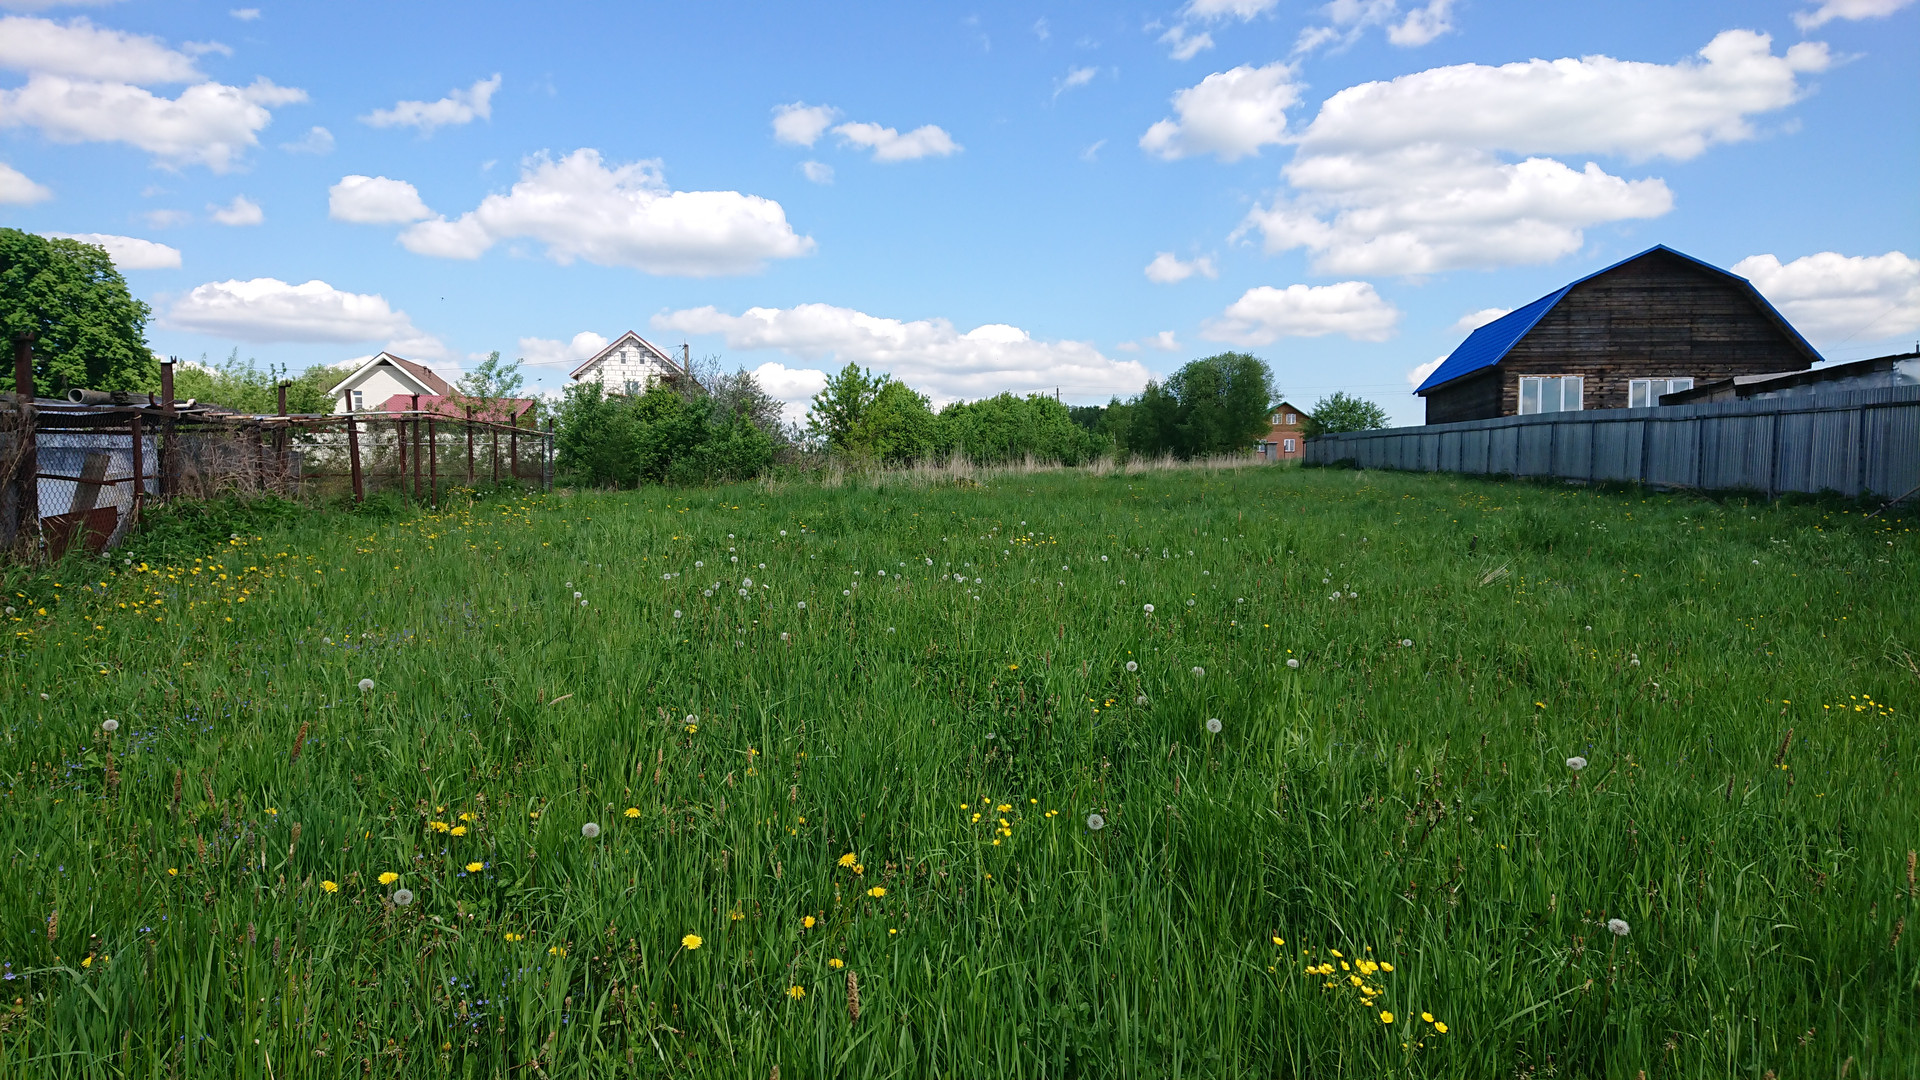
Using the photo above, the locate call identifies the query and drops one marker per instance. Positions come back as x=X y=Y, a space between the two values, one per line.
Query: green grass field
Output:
x=865 y=772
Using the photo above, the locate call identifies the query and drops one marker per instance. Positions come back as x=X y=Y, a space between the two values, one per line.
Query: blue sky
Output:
x=975 y=198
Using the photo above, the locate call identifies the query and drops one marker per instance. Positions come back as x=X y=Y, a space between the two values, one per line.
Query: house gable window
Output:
x=1551 y=393
x=359 y=400
x=1292 y=418
x=1645 y=393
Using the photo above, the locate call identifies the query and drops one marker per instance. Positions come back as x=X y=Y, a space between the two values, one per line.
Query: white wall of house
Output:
x=374 y=386
x=630 y=367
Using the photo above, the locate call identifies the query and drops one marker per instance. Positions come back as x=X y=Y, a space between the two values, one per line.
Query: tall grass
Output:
x=1738 y=679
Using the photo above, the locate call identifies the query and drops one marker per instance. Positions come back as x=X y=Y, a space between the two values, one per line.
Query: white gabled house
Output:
x=371 y=384
x=630 y=364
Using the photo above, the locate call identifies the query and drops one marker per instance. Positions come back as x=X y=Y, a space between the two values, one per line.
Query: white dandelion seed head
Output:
x=977 y=581
x=1406 y=643
x=1189 y=603
x=1293 y=661
x=1103 y=558
x=666 y=577
x=676 y=613
x=803 y=605
x=743 y=592
x=692 y=719
x=109 y=726
x=1576 y=763
x=1353 y=596
x=583 y=603
x=783 y=532
x=1618 y=927
x=846 y=592
x=733 y=558
x=366 y=685
x=1756 y=562
x=44 y=697
x=889 y=629
x=590 y=830
x=929 y=562
x=1239 y=599
x=706 y=592
x=1095 y=822
x=402 y=897
x=1326 y=581
x=1133 y=665
x=569 y=584
x=699 y=564
x=1199 y=672
x=1141 y=700
x=1213 y=725
x=1148 y=608
x=783 y=636
x=576 y=596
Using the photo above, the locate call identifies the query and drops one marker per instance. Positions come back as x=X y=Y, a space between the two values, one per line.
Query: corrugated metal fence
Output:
x=1864 y=442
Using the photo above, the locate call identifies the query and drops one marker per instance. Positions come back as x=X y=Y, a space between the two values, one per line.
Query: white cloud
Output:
x=1092 y=152
x=1244 y=10
x=128 y=252
x=245 y=14
x=1167 y=269
x=81 y=50
x=1348 y=19
x=1833 y=298
x=545 y=351
x=210 y=123
x=458 y=107
x=888 y=144
x=794 y=387
x=1265 y=314
x=166 y=219
x=1474 y=320
x=930 y=354
x=1163 y=341
x=241 y=211
x=1182 y=45
x=817 y=171
x=1422 y=24
x=801 y=124
x=271 y=310
x=317 y=140
x=1413 y=175
x=375 y=200
x=1075 y=78
x=1830 y=10
x=621 y=216
x=43 y=5
x=1230 y=114
x=1419 y=374
x=17 y=188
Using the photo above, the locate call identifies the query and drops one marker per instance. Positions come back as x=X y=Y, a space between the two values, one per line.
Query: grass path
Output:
x=941 y=759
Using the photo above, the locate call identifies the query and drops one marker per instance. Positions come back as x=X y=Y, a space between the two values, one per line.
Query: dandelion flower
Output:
x=1148 y=608
x=803 y=605
x=1576 y=763
x=836 y=963
x=1141 y=700
x=877 y=892
x=389 y=878
x=109 y=726
x=1213 y=726
x=796 y=992
x=475 y=867
x=1199 y=672
x=1293 y=662
x=590 y=830
x=848 y=859
x=366 y=685
x=1618 y=927
x=1406 y=643
x=330 y=886
x=806 y=923
x=173 y=871
x=1132 y=666
x=1386 y=1017
x=633 y=811
x=691 y=942
x=676 y=613
x=402 y=897
x=1095 y=822
x=459 y=830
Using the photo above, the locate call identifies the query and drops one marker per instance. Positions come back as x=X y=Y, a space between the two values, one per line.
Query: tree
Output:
x=839 y=405
x=740 y=394
x=243 y=386
x=89 y=330
x=897 y=426
x=490 y=385
x=1214 y=405
x=1339 y=412
x=1006 y=427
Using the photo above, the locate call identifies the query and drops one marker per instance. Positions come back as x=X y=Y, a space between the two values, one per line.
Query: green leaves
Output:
x=89 y=330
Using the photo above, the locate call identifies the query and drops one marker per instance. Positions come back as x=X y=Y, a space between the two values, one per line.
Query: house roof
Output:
x=613 y=346
x=500 y=410
x=1490 y=344
x=418 y=374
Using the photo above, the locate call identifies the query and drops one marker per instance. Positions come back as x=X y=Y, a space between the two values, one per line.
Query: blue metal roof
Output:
x=1488 y=345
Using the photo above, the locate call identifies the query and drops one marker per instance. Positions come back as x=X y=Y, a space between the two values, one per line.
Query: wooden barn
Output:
x=1653 y=324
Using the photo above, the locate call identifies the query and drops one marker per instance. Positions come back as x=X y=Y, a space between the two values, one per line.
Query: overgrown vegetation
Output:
x=89 y=330
x=1507 y=780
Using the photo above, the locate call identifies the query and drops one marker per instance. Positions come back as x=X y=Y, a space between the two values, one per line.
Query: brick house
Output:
x=1285 y=440
x=1657 y=323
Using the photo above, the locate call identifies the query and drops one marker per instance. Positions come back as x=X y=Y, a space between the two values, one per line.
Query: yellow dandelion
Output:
x=437 y=826
x=847 y=859
x=796 y=992
x=389 y=878
x=633 y=811
x=173 y=871
x=691 y=942
x=458 y=830
x=329 y=886
x=466 y=816
x=474 y=867
x=877 y=892
x=807 y=923
x=836 y=963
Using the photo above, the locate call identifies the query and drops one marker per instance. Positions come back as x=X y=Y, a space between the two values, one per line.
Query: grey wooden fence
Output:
x=1864 y=442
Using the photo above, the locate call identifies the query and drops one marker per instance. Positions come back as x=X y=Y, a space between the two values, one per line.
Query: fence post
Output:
x=546 y=477
x=281 y=438
x=494 y=432
x=433 y=467
x=400 y=449
x=353 y=449
x=169 y=453
x=27 y=482
x=513 y=449
x=413 y=427
x=469 y=430
x=139 y=469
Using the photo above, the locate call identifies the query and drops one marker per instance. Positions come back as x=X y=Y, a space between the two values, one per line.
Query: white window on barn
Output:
x=1289 y=445
x=1645 y=393
x=1545 y=394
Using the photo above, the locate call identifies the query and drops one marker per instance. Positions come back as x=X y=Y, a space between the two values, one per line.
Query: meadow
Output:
x=1170 y=773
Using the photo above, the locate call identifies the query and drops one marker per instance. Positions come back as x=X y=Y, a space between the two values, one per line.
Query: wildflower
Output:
x=848 y=858
x=366 y=685
x=437 y=826
x=1148 y=608
x=109 y=726
x=1213 y=726
x=806 y=923
x=1440 y=1026
x=803 y=605
x=458 y=830
x=1576 y=763
x=402 y=897
x=1132 y=666
x=633 y=811
x=1279 y=941
x=836 y=963
x=590 y=830
x=173 y=871
x=1406 y=643
x=691 y=942
x=1095 y=822
x=389 y=878
x=1293 y=662
x=1386 y=1017
x=475 y=867
x=332 y=887
x=1189 y=603
x=555 y=950
x=1140 y=700
x=1427 y=1016
x=1618 y=927
x=796 y=992
x=877 y=892
x=1199 y=672
x=511 y=936
x=676 y=613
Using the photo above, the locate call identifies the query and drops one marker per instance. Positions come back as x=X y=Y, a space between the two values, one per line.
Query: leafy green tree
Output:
x=490 y=387
x=839 y=406
x=1339 y=412
x=244 y=386
x=89 y=330
x=897 y=426
x=656 y=437
x=1007 y=427
x=1215 y=405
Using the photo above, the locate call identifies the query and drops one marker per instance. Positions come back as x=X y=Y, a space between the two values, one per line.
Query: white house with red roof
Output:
x=371 y=385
